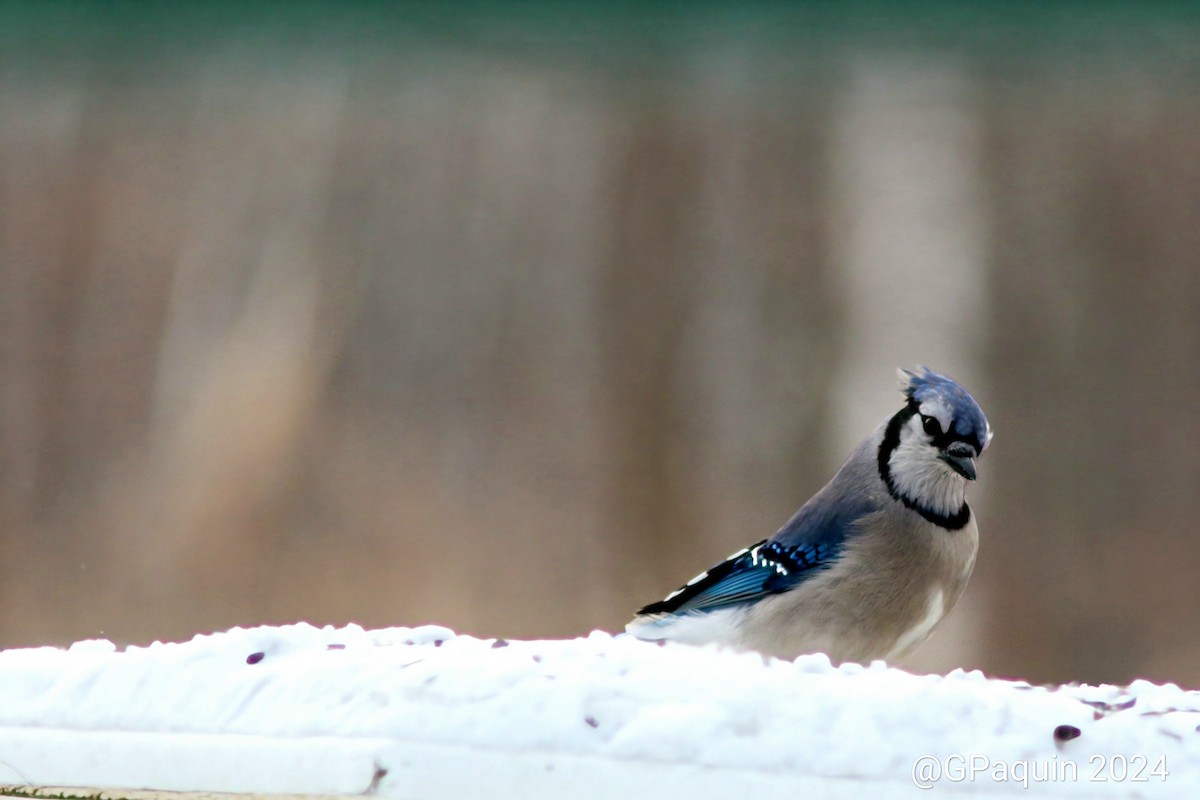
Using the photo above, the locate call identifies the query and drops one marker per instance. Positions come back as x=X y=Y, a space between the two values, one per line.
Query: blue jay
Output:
x=870 y=565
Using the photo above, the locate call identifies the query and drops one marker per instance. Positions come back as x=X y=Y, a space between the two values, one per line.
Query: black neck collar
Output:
x=891 y=440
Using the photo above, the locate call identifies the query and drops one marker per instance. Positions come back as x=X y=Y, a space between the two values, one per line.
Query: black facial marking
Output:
x=891 y=440
x=942 y=439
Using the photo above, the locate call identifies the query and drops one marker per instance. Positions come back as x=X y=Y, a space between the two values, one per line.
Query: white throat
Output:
x=924 y=479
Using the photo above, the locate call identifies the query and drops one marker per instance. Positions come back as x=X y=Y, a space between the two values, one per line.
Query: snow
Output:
x=422 y=712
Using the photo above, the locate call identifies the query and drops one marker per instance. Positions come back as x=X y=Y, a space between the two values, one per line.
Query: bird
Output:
x=869 y=566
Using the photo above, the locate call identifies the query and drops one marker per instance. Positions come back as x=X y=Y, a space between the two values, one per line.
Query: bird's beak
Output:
x=961 y=458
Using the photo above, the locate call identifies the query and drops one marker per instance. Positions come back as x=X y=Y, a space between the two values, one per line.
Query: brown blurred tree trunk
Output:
x=644 y=296
x=1095 y=290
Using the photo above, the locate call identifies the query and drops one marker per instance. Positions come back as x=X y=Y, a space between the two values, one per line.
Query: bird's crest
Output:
x=923 y=385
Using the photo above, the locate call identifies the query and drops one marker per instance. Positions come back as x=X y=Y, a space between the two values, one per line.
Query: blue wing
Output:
x=809 y=542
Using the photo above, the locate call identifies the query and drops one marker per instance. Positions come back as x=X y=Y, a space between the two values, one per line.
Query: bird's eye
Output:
x=931 y=425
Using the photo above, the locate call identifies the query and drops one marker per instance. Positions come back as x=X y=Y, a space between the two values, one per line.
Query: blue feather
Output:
x=811 y=541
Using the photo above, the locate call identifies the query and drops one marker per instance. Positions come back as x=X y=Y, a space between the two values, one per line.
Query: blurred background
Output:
x=513 y=317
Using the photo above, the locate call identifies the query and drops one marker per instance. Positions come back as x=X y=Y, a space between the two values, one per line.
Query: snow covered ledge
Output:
x=423 y=713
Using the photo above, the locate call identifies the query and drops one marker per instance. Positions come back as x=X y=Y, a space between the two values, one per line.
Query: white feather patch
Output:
x=719 y=625
x=934 y=611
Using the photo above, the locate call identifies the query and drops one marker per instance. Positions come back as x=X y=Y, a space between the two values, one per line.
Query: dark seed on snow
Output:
x=254 y=658
x=591 y=721
x=500 y=643
x=335 y=647
x=437 y=642
x=538 y=659
x=1065 y=733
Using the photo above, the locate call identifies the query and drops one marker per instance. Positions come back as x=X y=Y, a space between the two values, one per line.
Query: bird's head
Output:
x=929 y=447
